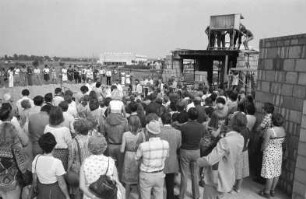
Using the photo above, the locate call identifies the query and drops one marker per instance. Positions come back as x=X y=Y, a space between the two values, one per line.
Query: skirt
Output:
x=130 y=170
x=62 y=154
x=46 y=77
x=242 y=166
x=49 y=191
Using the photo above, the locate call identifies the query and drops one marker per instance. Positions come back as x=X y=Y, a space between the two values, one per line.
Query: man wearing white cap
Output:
x=152 y=155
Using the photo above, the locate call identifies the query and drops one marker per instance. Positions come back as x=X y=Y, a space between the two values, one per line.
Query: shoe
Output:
x=272 y=193
x=263 y=194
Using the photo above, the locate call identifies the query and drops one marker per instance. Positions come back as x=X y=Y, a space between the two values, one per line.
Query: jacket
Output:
x=113 y=128
x=226 y=153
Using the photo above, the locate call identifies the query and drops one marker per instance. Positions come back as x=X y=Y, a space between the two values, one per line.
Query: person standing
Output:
x=113 y=128
x=174 y=138
x=53 y=75
x=192 y=132
x=46 y=72
x=64 y=74
x=152 y=155
x=130 y=142
x=17 y=76
x=11 y=77
x=76 y=74
x=30 y=75
x=37 y=76
x=226 y=154
x=36 y=127
x=70 y=73
x=108 y=77
x=272 y=155
x=48 y=171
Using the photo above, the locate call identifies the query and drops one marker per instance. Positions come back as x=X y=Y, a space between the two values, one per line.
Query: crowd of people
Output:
x=217 y=37
x=143 y=138
x=27 y=75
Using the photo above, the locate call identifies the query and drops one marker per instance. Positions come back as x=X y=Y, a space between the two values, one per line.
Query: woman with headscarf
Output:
x=96 y=165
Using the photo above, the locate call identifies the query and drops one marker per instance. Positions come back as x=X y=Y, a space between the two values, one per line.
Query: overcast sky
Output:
x=148 y=27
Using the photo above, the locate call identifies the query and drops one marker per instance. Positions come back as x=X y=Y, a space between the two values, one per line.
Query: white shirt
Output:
x=17 y=71
x=116 y=106
x=191 y=105
x=139 y=89
x=47 y=168
x=68 y=120
x=72 y=109
x=57 y=100
x=62 y=136
x=108 y=73
x=46 y=70
x=119 y=87
x=36 y=70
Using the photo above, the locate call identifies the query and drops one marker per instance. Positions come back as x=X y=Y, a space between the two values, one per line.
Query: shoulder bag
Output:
x=24 y=176
x=104 y=187
x=72 y=177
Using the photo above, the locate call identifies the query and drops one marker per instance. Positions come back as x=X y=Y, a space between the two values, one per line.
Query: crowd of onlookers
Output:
x=143 y=138
x=27 y=75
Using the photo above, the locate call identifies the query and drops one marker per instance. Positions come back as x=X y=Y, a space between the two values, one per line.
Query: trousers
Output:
x=188 y=163
x=151 y=183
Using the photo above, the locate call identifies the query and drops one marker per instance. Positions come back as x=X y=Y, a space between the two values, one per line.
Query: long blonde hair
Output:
x=134 y=123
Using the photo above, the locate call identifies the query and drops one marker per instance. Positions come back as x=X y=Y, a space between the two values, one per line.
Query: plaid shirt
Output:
x=153 y=154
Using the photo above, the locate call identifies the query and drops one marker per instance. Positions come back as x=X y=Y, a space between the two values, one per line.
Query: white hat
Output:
x=153 y=127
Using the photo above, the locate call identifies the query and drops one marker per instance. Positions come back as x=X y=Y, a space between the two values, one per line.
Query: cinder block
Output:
x=276 y=88
x=302 y=79
x=304 y=107
x=303 y=135
x=295 y=52
x=300 y=65
x=299 y=91
x=280 y=76
x=299 y=190
x=272 y=52
x=302 y=156
x=287 y=89
x=268 y=64
x=302 y=41
x=289 y=65
x=291 y=77
x=263 y=97
x=265 y=86
x=295 y=116
x=269 y=75
x=278 y=64
x=294 y=41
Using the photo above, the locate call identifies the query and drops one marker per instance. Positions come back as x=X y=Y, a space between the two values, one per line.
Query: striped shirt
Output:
x=153 y=154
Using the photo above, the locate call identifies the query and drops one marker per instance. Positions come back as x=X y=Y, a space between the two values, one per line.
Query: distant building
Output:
x=111 y=58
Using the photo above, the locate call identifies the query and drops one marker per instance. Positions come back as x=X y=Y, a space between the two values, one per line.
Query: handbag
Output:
x=34 y=189
x=24 y=178
x=104 y=187
x=72 y=177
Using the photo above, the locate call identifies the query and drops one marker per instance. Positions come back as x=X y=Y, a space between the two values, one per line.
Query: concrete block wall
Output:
x=282 y=81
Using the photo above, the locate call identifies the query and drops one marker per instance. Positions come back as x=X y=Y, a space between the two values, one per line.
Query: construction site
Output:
x=216 y=65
